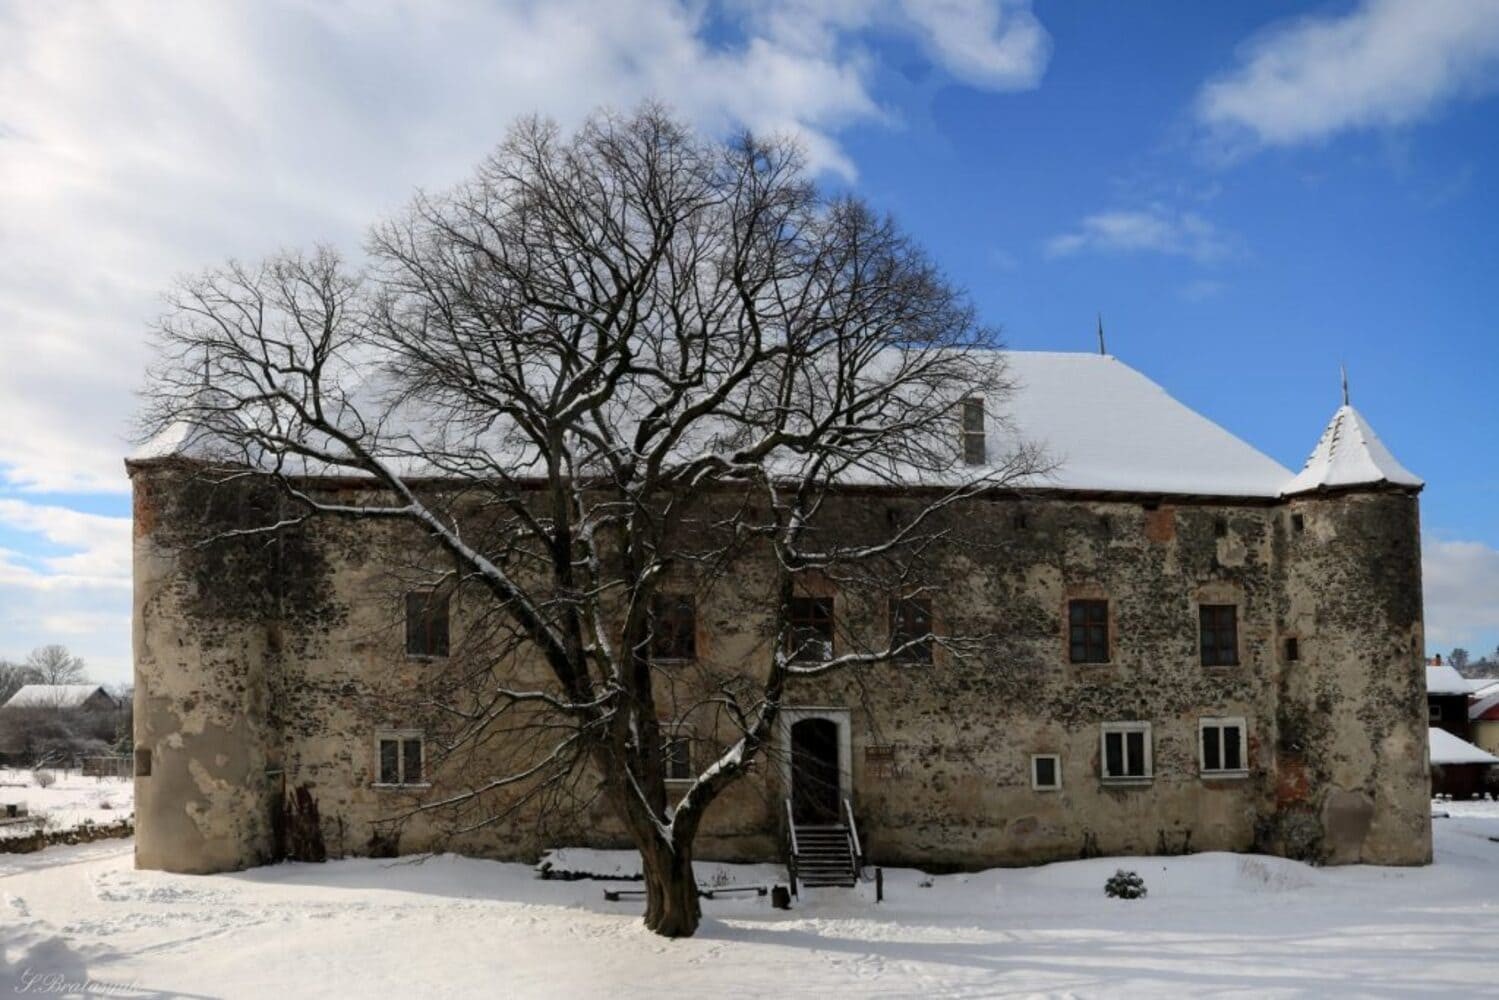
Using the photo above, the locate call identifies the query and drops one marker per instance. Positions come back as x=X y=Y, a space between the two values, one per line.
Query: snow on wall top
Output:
x=1449 y=749
x=1441 y=678
x=1350 y=454
x=1103 y=426
x=52 y=695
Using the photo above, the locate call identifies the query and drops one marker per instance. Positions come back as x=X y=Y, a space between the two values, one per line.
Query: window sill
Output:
x=1092 y=663
x=426 y=657
x=680 y=781
x=1128 y=782
x=1046 y=788
x=1224 y=775
x=386 y=786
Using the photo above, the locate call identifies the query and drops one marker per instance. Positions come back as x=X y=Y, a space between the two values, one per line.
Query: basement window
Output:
x=1293 y=649
x=810 y=636
x=1219 y=634
x=426 y=623
x=1046 y=772
x=673 y=627
x=1088 y=631
x=1126 y=752
x=974 y=450
x=401 y=759
x=911 y=622
x=1298 y=523
x=1224 y=754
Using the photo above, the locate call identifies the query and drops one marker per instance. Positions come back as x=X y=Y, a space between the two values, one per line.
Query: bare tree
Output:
x=610 y=360
x=53 y=664
x=1459 y=657
x=13 y=677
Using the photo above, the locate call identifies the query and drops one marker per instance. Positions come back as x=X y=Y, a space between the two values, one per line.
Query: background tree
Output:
x=13 y=677
x=53 y=664
x=1458 y=658
x=608 y=361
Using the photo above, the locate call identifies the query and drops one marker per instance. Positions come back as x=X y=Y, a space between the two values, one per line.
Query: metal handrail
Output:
x=791 y=825
x=853 y=834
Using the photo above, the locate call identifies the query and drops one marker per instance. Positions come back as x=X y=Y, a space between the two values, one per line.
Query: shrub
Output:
x=43 y=779
x=1125 y=885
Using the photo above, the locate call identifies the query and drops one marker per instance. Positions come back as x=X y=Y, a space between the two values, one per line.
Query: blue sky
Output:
x=1251 y=195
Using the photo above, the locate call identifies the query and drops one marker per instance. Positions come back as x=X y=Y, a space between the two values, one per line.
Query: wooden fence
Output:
x=107 y=767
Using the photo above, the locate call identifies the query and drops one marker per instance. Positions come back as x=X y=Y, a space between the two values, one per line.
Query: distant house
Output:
x=1447 y=696
x=56 y=722
x=1458 y=768
x=65 y=697
x=1483 y=718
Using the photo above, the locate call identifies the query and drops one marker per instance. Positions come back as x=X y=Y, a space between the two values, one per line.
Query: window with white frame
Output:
x=1125 y=751
x=400 y=758
x=1224 y=750
x=676 y=756
x=1046 y=772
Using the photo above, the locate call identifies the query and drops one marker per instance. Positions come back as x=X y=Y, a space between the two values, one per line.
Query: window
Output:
x=426 y=623
x=1433 y=712
x=1223 y=750
x=1046 y=772
x=1220 y=527
x=401 y=758
x=676 y=756
x=1219 y=634
x=1293 y=649
x=674 y=627
x=1126 y=751
x=811 y=633
x=1088 y=631
x=1298 y=523
x=974 y=452
x=910 y=621
x=142 y=762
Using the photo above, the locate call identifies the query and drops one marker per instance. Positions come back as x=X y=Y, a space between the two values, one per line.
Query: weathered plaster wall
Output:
x=229 y=686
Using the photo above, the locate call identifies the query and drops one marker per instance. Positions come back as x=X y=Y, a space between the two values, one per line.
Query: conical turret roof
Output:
x=1350 y=454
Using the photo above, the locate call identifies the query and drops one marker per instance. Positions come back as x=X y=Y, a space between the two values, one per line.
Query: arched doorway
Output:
x=815 y=794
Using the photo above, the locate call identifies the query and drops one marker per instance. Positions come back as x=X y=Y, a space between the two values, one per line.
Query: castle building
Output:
x=1189 y=648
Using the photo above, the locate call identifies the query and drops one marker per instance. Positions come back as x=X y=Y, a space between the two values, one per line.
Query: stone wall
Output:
x=264 y=668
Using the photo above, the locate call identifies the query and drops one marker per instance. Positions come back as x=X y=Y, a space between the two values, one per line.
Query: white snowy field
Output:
x=69 y=802
x=1212 y=924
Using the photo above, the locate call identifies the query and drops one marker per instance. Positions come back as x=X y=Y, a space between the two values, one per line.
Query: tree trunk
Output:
x=671 y=904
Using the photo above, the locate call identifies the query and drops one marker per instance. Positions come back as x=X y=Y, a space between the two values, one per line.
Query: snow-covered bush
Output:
x=43 y=779
x=1124 y=885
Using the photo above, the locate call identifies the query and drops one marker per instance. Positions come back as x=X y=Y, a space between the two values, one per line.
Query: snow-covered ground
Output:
x=450 y=927
x=71 y=801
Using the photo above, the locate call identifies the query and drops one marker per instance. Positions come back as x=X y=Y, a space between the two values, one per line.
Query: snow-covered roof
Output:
x=1108 y=427
x=1485 y=707
x=1449 y=749
x=1349 y=454
x=1443 y=678
x=1102 y=425
x=54 y=695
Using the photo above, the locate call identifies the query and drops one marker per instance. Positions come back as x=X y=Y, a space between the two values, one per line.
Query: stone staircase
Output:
x=823 y=854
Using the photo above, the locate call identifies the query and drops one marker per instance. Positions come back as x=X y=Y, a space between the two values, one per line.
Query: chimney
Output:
x=1436 y=661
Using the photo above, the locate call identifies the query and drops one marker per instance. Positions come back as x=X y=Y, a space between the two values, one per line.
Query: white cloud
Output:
x=76 y=590
x=1385 y=63
x=138 y=141
x=1153 y=230
x=1461 y=585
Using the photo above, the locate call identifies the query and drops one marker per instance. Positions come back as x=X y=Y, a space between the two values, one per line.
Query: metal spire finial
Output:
x=1344 y=370
x=1101 y=349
